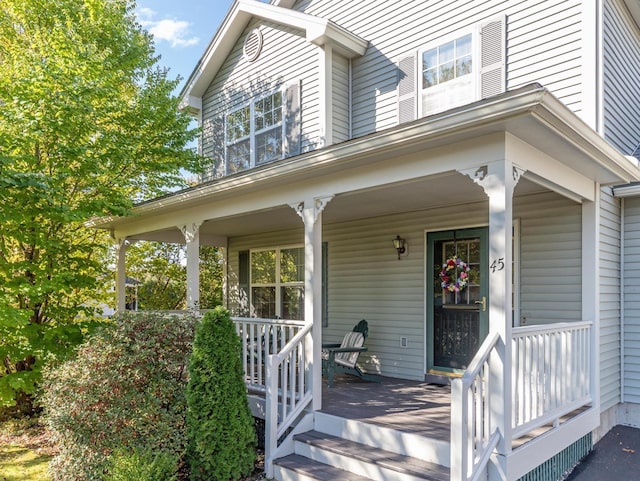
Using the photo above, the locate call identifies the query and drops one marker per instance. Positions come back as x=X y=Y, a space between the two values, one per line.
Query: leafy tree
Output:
x=220 y=430
x=160 y=270
x=88 y=124
x=210 y=277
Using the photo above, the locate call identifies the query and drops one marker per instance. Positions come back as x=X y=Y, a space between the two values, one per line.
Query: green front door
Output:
x=457 y=298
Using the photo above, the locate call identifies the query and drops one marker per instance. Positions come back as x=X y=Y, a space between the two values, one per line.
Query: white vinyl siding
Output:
x=341 y=99
x=632 y=300
x=544 y=45
x=550 y=259
x=610 y=284
x=367 y=281
x=239 y=82
x=621 y=65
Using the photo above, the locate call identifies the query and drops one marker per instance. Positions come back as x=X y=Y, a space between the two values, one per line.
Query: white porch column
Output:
x=121 y=275
x=311 y=212
x=191 y=234
x=591 y=288
x=498 y=179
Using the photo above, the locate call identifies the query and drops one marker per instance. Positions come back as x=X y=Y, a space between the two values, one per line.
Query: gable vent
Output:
x=252 y=45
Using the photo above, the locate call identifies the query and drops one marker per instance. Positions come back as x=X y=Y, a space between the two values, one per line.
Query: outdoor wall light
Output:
x=400 y=245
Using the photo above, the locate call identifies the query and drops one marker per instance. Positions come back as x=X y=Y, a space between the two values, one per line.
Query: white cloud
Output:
x=175 y=32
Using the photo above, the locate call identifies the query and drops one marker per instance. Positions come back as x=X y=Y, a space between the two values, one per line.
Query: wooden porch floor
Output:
x=408 y=406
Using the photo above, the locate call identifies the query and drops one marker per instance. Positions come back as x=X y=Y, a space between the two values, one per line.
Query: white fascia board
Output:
x=557 y=117
x=190 y=104
x=318 y=31
x=283 y=3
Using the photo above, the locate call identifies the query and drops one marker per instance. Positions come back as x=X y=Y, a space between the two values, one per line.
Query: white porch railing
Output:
x=551 y=373
x=280 y=347
x=261 y=337
x=473 y=438
x=551 y=377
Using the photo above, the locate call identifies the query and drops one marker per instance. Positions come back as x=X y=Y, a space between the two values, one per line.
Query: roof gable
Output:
x=318 y=31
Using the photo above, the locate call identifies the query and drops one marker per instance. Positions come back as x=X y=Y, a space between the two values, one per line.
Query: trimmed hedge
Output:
x=220 y=430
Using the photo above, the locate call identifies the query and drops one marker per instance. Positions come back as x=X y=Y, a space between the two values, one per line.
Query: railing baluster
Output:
x=557 y=371
x=551 y=377
x=278 y=347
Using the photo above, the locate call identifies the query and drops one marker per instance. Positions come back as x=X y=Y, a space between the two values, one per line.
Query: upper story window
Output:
x=268 y=117
x=254 y=133
x=447 y=62
x=453 y=71
x=447 y=75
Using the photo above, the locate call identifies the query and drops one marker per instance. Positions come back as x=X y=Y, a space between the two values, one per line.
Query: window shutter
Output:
x=407 y=102
x=243 y=283
x=292 y=119
x=492 y=57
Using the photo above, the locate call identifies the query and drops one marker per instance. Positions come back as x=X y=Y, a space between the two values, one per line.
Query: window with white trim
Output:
x=254 y=133
x=447 y=74
x=277 y=283
x=456 y=70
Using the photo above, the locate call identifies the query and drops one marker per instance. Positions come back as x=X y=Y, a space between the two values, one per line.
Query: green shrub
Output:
x=124 y=390
x=139 y=465
x=221 y=436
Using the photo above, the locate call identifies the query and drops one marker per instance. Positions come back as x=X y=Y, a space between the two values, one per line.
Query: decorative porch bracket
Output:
x=310 y=210
x=191 y=234
x=498 y=180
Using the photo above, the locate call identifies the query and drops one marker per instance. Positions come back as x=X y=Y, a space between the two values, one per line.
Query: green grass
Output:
x=18 y=463
x=25 y=450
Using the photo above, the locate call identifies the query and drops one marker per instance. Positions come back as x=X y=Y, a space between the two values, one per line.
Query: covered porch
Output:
x=517 y=179
x=552 y=396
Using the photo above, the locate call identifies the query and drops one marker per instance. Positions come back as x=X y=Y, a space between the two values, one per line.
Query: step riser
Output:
x=363 y=468
x=407 y=444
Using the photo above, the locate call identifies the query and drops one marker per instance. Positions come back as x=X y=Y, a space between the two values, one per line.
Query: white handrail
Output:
x=279 y=322
x=288 y=391
x=473 y=438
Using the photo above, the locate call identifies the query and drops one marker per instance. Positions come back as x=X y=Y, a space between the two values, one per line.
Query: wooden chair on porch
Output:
x=342 y=358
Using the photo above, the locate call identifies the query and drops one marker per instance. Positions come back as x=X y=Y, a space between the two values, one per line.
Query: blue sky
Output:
x=182 y=30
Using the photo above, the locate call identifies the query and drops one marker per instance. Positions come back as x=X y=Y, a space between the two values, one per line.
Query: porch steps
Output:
x=298 y=468
x=342 y=449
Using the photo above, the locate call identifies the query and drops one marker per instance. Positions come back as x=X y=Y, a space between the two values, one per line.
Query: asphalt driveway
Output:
x=616 y=457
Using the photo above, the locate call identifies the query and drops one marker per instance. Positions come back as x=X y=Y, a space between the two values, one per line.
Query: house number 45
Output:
x=497 y=265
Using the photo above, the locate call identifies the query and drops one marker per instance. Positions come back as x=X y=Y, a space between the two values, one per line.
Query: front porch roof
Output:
x=555 y=148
